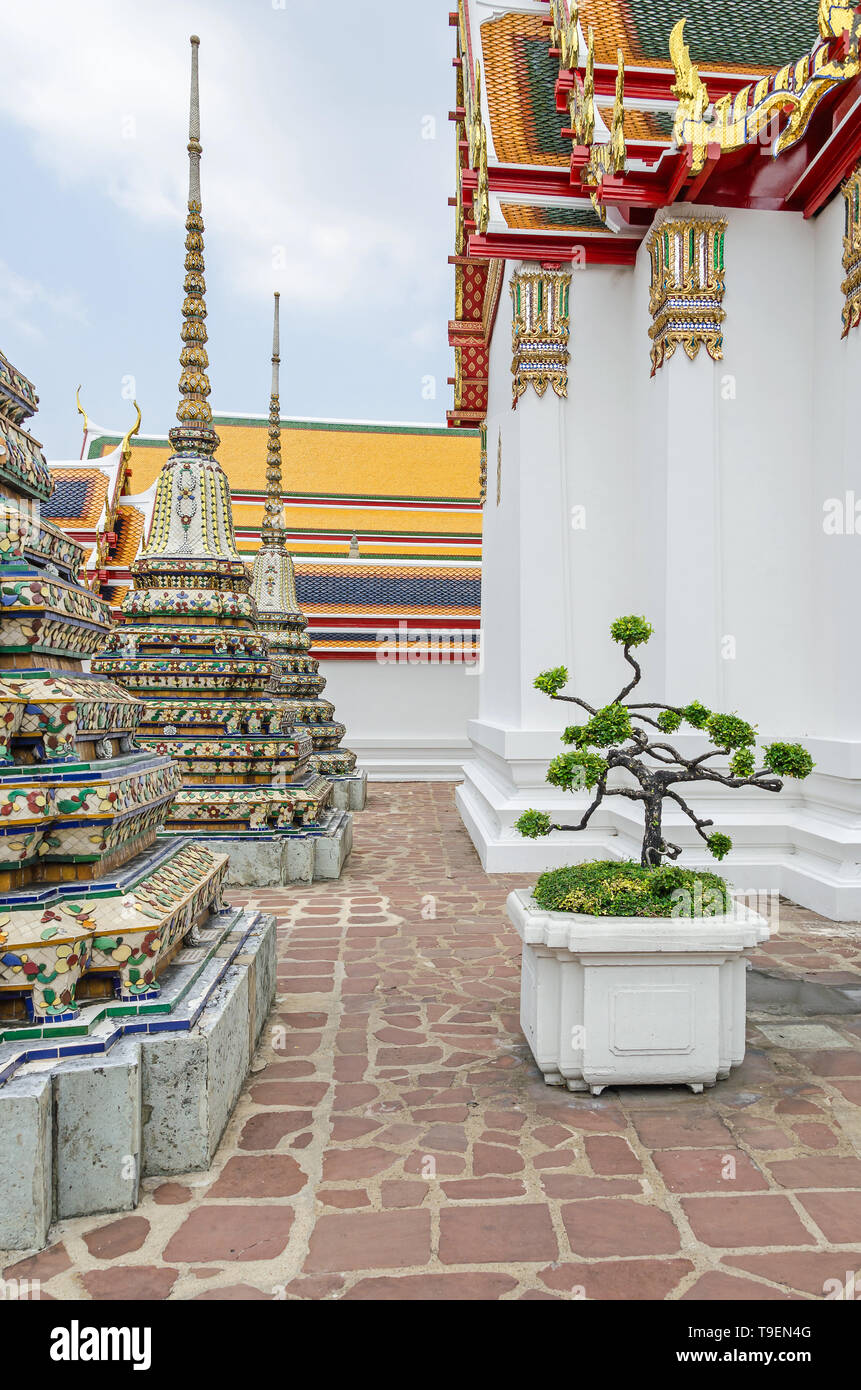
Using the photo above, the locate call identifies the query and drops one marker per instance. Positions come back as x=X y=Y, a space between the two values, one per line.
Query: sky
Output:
x=328 y=160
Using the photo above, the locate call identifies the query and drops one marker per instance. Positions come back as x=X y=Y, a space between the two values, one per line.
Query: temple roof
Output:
x=410 y=493
x=733 y=35
x=575 y=125
x=79 y=496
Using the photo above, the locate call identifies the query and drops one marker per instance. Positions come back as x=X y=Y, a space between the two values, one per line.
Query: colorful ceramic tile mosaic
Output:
x=78 y=796
x=189 y=645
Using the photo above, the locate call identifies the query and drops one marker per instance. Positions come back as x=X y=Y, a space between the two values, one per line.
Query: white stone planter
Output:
x=635 y=1001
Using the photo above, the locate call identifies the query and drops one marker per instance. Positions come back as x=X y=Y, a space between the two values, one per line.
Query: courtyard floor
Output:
x=396 y=1141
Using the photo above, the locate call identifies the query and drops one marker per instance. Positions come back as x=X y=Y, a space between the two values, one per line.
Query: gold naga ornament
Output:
x=687 y=259
x=540 y=331
x=731 y=123
x=605 y=157
x=851 y=286
x=565 y=35
x=482 y=464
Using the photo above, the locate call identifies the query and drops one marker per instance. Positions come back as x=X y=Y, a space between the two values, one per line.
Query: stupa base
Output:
x=134 y=1090
x=349 y=793
x=300 y=854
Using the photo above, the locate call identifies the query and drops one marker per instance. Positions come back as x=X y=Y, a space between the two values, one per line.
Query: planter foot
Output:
x=596 y=1090
x=577 y=1086
x=553 y=1078
x=696 y=1087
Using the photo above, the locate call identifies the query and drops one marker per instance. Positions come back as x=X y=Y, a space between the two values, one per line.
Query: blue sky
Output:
x=318 y=179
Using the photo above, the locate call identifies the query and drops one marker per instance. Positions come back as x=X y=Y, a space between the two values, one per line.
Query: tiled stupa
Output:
x=298 y=682
x=89 y=905
x=189 y=645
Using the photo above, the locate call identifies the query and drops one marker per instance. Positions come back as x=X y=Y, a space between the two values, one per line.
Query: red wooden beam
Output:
x=694 y=189
x=515 y=179
x=593 y=250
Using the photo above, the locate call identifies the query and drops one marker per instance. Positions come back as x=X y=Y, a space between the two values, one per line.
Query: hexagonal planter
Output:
x=637 y=1001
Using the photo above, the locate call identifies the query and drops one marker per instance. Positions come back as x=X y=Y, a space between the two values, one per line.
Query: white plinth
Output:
x=610 y=1001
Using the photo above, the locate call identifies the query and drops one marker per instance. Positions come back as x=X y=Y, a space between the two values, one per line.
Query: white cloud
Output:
x=22 y=299
x=102 y=90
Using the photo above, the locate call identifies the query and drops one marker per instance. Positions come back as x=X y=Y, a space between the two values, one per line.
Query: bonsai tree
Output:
x=632 y=736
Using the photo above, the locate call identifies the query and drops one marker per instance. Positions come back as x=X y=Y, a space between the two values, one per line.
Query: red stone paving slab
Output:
x=816 y=1171
x=130 y=1283
x=170 y=1194
x=118 y=1238
x=695 y=1129
x=378 y=1240
x=618 y=1226
x=717 y=1285
x=233 y=1293
x=430 y=1287
x=610 y=1155
x=618 y=1279
x=492 y=1235
x=264 y=1175
x=837 y=1214
x=231 y=1233
x=809 y=1271
x=744 y=1221
x=709 y=1170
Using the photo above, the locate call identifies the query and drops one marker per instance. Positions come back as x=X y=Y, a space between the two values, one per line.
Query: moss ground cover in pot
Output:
x=621 y=888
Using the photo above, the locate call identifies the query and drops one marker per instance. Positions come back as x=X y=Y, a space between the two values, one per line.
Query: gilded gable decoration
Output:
x=686 y=301
x=851 y=286
x=540 y=330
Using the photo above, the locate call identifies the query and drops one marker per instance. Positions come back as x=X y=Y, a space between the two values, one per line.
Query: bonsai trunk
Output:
x=653 y=838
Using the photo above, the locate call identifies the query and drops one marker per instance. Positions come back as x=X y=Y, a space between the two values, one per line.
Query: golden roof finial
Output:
x=81 y=411
x=125 y=452
x=618 y=152
x=193 y=414
x=272 y=530
x=589 y=93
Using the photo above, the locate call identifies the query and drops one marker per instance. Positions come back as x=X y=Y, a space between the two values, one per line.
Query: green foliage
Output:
x=578 y=769
x=697 y=715
x=666 y=878
x=719 y=845
x=551 y=682
x=631 y=631
x=788 y=760
x=669 y=720
x=533 y=824
x=728 y=731
x=573 y=734
x=607 y=888
x=742 y=763
x=612 y=724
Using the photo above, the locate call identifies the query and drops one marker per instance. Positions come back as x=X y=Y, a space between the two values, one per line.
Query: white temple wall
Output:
x=834 y=671
x=405 y=722
x=702 y=492
x=501 y=688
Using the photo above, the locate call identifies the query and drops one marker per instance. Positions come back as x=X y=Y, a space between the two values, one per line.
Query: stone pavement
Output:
x=396 y=1141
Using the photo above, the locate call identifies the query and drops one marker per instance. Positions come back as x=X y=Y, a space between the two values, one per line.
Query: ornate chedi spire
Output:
x=273 y=585
x=272 y=531
x=190 y=646
x=192 y=513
